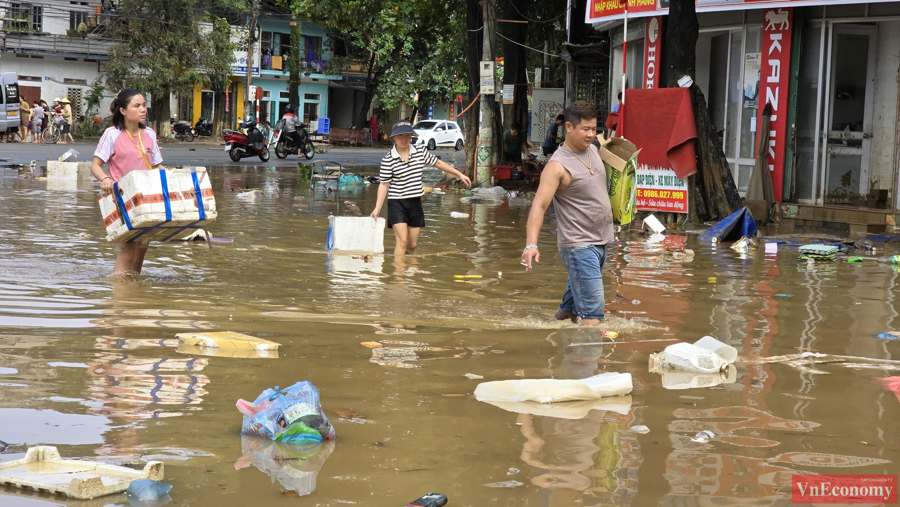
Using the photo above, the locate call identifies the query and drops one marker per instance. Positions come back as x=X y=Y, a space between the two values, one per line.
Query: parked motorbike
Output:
x=252 y=144
x=203 y=128
x=181 y=130
x=284 y=144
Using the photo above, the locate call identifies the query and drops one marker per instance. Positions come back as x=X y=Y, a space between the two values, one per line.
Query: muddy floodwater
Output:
x=92 y=366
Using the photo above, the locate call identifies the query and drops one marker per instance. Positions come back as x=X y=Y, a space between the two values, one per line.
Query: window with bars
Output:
x=37 y=18
x=591 y=86
x=75 y=96
x=18 y=17
x=312 y=48
x=76 y=18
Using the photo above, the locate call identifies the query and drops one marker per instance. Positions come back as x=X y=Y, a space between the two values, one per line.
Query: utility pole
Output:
x=254 y=19
x=483 y=156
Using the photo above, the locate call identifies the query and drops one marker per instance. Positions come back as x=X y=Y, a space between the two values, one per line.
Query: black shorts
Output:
x=406 y=211
x=65 y=128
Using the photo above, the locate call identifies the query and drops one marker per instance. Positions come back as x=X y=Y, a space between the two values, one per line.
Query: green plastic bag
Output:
x=620 y=159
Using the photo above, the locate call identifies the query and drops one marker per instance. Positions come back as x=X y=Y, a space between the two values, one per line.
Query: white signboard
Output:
x=487 y=78
x=659 y=189
x=240 y=37
x=508 y=94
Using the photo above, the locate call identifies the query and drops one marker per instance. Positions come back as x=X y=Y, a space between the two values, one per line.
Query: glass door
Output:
x=847 y=132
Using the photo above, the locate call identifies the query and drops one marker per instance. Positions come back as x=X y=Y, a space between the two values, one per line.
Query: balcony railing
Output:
x=56 y=44
x=313 y=66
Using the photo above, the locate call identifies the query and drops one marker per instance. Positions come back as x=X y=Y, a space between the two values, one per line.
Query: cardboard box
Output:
x=620 y=159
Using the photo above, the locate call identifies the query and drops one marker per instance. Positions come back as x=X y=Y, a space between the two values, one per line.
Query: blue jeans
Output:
x=584 y=288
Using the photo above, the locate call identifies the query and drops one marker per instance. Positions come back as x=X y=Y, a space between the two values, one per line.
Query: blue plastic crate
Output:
x=324 y=126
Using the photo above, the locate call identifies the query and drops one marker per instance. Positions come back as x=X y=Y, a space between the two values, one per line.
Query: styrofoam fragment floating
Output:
x=43 y=469
x=227 y=340
x=150 y=216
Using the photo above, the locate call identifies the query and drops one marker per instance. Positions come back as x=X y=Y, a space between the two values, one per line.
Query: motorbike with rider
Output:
x=292 y=136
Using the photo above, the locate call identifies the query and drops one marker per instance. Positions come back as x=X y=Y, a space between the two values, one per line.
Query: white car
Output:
x=434 y=133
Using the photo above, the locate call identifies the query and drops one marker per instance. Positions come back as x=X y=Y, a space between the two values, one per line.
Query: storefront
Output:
x=830 y=73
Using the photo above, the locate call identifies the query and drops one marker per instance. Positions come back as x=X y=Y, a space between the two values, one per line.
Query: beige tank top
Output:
x=583 y=211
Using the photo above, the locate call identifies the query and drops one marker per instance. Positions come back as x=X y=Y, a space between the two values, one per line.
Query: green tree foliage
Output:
x=158 y=55
x=402 y=46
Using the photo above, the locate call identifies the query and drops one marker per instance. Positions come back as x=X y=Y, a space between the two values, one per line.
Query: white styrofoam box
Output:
x=355 y=234
x=149 y=217
x=68 y=171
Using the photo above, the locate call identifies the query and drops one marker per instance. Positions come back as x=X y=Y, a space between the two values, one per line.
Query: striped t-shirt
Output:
x=405 y=177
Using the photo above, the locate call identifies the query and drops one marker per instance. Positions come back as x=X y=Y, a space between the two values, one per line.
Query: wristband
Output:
x=104 y=179
x=531 y=246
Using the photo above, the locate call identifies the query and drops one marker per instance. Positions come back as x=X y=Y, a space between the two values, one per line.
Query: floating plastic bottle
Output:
x=707 y=355
x=703 y=437
x=894 y=259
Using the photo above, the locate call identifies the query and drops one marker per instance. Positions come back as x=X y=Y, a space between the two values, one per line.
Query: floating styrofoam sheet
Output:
x=43 y=469
x=227 y=340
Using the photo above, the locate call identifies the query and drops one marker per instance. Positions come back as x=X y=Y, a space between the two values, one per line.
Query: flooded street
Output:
x=93 y=367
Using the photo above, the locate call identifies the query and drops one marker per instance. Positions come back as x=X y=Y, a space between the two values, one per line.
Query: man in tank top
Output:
x=575 y=182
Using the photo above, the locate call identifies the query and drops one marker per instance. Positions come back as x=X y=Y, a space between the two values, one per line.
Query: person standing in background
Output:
x=24 y=119
x=551 y=139
x=67 y=126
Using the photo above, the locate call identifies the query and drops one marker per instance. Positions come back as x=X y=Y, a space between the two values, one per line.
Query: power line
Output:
x=563 y=13
x=527 y=47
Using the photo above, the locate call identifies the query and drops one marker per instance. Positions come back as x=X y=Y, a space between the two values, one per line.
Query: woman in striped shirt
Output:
x=401 y=184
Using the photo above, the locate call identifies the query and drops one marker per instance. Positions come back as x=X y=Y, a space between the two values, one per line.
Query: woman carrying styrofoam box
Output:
x=126 y=146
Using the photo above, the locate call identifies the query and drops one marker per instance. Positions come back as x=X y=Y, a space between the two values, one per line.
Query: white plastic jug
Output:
x=688 y=357
x=727 y=352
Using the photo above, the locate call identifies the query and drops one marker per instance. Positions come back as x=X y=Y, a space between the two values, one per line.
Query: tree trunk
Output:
x=472 y=48
x=372 y=77
x=294 y=64
x=471 y=138
x=714 y=178
x=514 y=60
x=219 y=115
x=161 y=114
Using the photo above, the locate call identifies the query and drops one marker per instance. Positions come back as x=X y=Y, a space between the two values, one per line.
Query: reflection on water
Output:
x=93 y=365
x=294 y=466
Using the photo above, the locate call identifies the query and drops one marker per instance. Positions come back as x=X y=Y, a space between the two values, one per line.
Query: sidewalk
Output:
x=207 y=154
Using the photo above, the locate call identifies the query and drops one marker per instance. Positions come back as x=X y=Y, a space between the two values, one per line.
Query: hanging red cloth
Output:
x=661 y=123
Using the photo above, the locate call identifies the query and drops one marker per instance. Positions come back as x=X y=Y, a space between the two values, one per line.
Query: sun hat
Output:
x=65 y=101
x=402 y=127
x=57 y=99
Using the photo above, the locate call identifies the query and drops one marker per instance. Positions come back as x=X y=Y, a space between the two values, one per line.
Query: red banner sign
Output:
x=774 y=80
x=607 y=10
x=652 y=52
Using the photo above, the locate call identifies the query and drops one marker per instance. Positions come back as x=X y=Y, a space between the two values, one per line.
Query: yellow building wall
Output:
x=239 y=101
x=196 y=107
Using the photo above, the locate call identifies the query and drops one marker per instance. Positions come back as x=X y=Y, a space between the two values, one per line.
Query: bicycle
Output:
x=52 y=133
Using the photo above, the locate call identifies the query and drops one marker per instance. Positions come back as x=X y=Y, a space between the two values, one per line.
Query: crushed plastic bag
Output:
x=291 y=415
x=351 y=180
x=147 y=490
x=490 y=191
